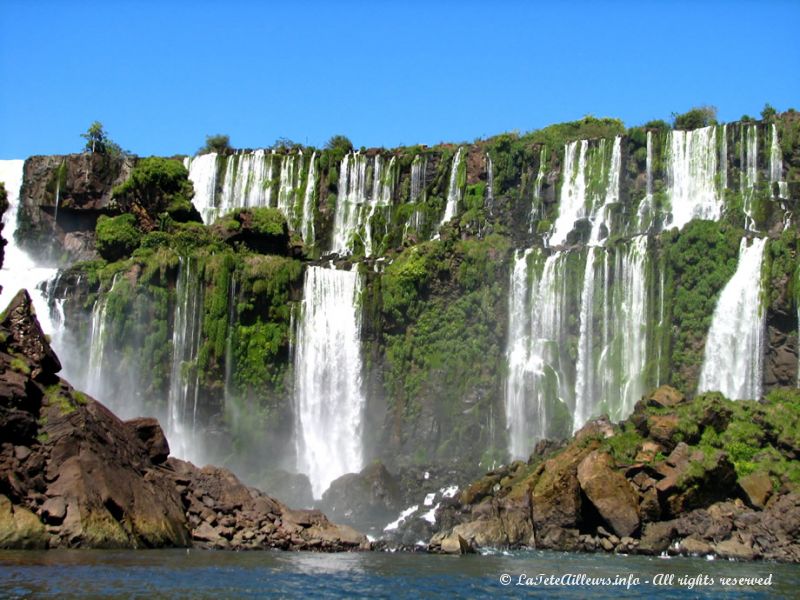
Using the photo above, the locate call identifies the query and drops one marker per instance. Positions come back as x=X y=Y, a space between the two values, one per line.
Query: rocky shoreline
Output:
x=72 y=475
x=675 y=493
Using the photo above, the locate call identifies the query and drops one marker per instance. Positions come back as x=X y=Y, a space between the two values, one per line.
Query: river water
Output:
x=209 y=574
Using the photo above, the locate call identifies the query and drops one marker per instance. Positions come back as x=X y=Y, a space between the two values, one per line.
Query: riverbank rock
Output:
x=74 y=475
x=367 y=500
x=611 y=488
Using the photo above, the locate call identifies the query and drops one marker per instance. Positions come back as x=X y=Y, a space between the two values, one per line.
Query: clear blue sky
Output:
x=160 y=76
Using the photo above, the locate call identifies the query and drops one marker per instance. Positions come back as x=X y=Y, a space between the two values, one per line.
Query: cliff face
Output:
x=436 y=314
x=62 y=197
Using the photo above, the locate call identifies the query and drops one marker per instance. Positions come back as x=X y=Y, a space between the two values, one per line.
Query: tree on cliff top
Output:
x=219 y=143
x=97 y=141
x=158 y=185
x=699 y=116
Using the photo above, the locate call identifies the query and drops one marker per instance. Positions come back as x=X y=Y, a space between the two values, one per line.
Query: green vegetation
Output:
x=117 y=236
x=700 y=259
x=700 y=116
x=268 y=221
x=219 y=143
x=158 y=185
x=97 y=141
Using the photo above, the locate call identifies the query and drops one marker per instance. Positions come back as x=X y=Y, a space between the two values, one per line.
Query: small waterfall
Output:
x=537 y=207
x=453 y=189
x=489 y=184
x=584 y=369
x=572 y=202
x=537 y=381
x=291 y=164
x=776 y=165
x=418 y=196
x=19 y=269
x=691 y=176
x=184 y=384
x=645 y=213
x=97 y=347
x=723 y=157
x=601 y=217
x=307 y=222
x=382 y=193
x=329 y=402
x=735 y=344
x=203 y=174
x=352 y=195
x=749 y=176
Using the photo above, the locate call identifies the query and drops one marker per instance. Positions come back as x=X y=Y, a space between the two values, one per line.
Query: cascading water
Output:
x=733 y=361
x=453 y=189
x=537 y=380
x=419 y=167
x=645 y=212
x=307 y=222
x=352 y=195
x=572 y=202
x=94 y=383
x=19 y=269
x=691 y=176
x=203 y=174
x=749 y=177
x=249 y=181
x=489 y=184
x=184 y=388
x=776 y=165
x=537 y=207
x=382 y=192
x=329 y=402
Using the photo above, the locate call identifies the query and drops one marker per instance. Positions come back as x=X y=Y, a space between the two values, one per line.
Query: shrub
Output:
x=700 y=116
x=219 y=143
x=117 y=236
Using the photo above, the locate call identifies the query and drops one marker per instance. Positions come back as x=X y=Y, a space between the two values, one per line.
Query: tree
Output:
x=219 y=143
x=699 y=116
x=97 y=140
x=769 y=113
x=158 y=185
x=339 y=142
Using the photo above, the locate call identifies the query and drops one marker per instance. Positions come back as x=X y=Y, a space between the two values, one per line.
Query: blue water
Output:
x=209 y=574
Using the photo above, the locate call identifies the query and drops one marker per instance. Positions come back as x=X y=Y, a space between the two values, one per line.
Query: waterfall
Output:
x=184 y=384
x=776 y=165
x=307 y=222
x=382 y=192
x=97 y=346
x=453 y=189
x=329 y=402
x=723 y=157
x=417 y=196
x=19 y=269
x=749 y=177
x=352 y=195
x=691 y=176
x=291 y=164
x=537 y=381
x=645 y=212
x=584 y=369
x=203 y=174
x=734 y=350
x=572 y=202
x=489 y=183
x=537 y=208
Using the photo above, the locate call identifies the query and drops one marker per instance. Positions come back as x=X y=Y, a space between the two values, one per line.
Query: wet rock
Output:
x=733 y=548
x=54 y=510
x=757 y=489
x=657 y=537
x=20 y=528
x=662 y=429
x=368 y=499
x=149 y=431
x=609 y=492
x=665 y=397
x=695 y=547
x=27 y=338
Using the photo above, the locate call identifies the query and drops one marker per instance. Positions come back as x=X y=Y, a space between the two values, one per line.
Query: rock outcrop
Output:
x=669 y=479
x=74 y=475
